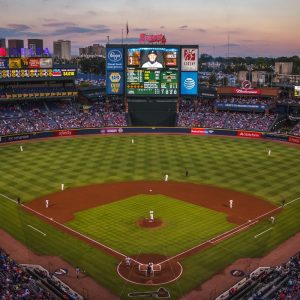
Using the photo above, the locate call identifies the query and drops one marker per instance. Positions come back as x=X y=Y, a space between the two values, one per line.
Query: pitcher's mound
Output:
x=147 y=223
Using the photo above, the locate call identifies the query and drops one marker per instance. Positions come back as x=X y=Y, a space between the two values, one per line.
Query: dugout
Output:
x=152 y=111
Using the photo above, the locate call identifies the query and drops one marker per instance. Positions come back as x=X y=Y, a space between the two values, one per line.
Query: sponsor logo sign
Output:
x=189 y=59
x=3 y=63
x=249 y=134
x=189 y=83
x=64 y=133
x=111 y=130
x=295 y=140
x=18 y=138
x=114 y=59
x=246 y=91
x=201 y=131
x=115 y=83
x=152 y=38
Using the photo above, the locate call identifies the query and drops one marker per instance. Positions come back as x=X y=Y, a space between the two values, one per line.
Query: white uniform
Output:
x=150 y=65
x=128 y=261
x=269 y=153
x=132 y=141
x=21 y=148
x=272 y=219
x=47 y=203
x=230 y=203
x=151 y=215
x=166 y=177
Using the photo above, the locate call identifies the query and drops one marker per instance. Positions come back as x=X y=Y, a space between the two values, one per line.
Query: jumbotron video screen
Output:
x=152 y=71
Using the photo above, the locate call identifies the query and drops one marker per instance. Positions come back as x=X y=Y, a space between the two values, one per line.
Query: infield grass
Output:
x=238 y=164
x=116 y=225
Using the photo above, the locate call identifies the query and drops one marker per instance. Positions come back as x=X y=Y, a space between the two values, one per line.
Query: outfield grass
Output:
x=239 y=164
x=185 y=225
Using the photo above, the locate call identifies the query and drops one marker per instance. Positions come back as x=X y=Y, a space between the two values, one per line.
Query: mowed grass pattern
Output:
x=185 y=225
x=238 y=164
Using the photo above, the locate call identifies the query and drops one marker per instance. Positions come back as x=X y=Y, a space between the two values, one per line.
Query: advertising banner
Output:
x=3 y=63
x=114 y=59
x=63 y=133
x=111 y=130
x=246 y=91
x=46 y=62
x=34 y=63
x=14 y=63
x=249 y=134
x=3 y=52
x=189 y=59
x=293 y=139
x=241 y=107
x=189 y=83
x=201 y=131
x=115 y=83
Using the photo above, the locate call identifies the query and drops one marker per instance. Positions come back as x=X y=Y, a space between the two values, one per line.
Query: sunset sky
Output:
x=253 y=28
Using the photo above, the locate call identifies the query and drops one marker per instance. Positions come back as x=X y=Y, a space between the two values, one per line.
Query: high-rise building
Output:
x=37 y=46
x=15 y=47
x=2 y=43
x=62 y=49
x=95 y=50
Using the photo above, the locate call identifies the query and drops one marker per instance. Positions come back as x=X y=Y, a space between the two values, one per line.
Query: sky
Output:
x=220 y=27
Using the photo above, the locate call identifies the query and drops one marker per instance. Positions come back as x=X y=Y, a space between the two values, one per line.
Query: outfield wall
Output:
x=149 y=130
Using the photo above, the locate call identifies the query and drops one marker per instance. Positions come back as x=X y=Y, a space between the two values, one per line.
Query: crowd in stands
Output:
x=296 y=129
x=30 y=116
x=15 y=283
x=276 y=283
x=201 y=114
x=23 y=92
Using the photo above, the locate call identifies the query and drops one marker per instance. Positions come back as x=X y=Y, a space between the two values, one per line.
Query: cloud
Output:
x=139 y=29
x=77 y=29
x=20 y=27
x=201 y=30
x=59 y=24
x=128 y=40
x=183 y=27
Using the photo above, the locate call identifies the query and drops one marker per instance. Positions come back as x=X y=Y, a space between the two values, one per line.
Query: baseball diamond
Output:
x=102 y=215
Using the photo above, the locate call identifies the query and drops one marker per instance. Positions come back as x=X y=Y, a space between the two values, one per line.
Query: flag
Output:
x=127 y=28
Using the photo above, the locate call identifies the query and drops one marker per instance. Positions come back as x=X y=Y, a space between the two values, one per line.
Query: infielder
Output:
x=47 y=203
x=272 y=219
x=231 y=203
x=166 y=177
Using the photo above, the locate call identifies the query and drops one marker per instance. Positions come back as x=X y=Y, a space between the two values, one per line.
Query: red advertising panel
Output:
x=34 y=63
x=3 y=52
x=250 y=134
x=65 y=133
x=246 y=91
x=293 y=139
x=189 y=59
x=198 y=131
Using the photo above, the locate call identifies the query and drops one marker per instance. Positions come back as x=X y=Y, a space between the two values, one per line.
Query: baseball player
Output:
x=132 y=141
x=231 y=203
x=151 y=215
x=166 y=177
x=47 y=203
x=269 y=152
x=128 y=261
x=272 y=219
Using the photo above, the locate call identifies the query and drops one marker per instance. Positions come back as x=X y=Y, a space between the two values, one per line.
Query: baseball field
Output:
x=111 y=185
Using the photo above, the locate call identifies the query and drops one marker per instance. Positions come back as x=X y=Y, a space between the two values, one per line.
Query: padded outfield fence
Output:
x=149 y=130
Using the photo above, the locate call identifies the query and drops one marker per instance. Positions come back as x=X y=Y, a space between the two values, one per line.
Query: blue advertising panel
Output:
x=3 y=63
x=114 y=83
x=114 y=59
x=189 y=83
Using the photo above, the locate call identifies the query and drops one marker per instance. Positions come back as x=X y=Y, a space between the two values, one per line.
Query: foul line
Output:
x=8 y=198
x=263 y=232
x=41 y=232
x=212 y=240
x=78 y=233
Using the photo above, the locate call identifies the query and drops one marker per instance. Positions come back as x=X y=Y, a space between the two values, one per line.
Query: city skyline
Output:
x=220 y=28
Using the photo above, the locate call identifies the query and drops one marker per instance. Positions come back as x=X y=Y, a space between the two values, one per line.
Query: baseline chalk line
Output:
x=41 y=232
x=263 y=232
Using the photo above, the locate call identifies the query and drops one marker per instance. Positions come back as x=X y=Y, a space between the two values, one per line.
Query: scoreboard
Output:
x=152 y=82
x=152 y=71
